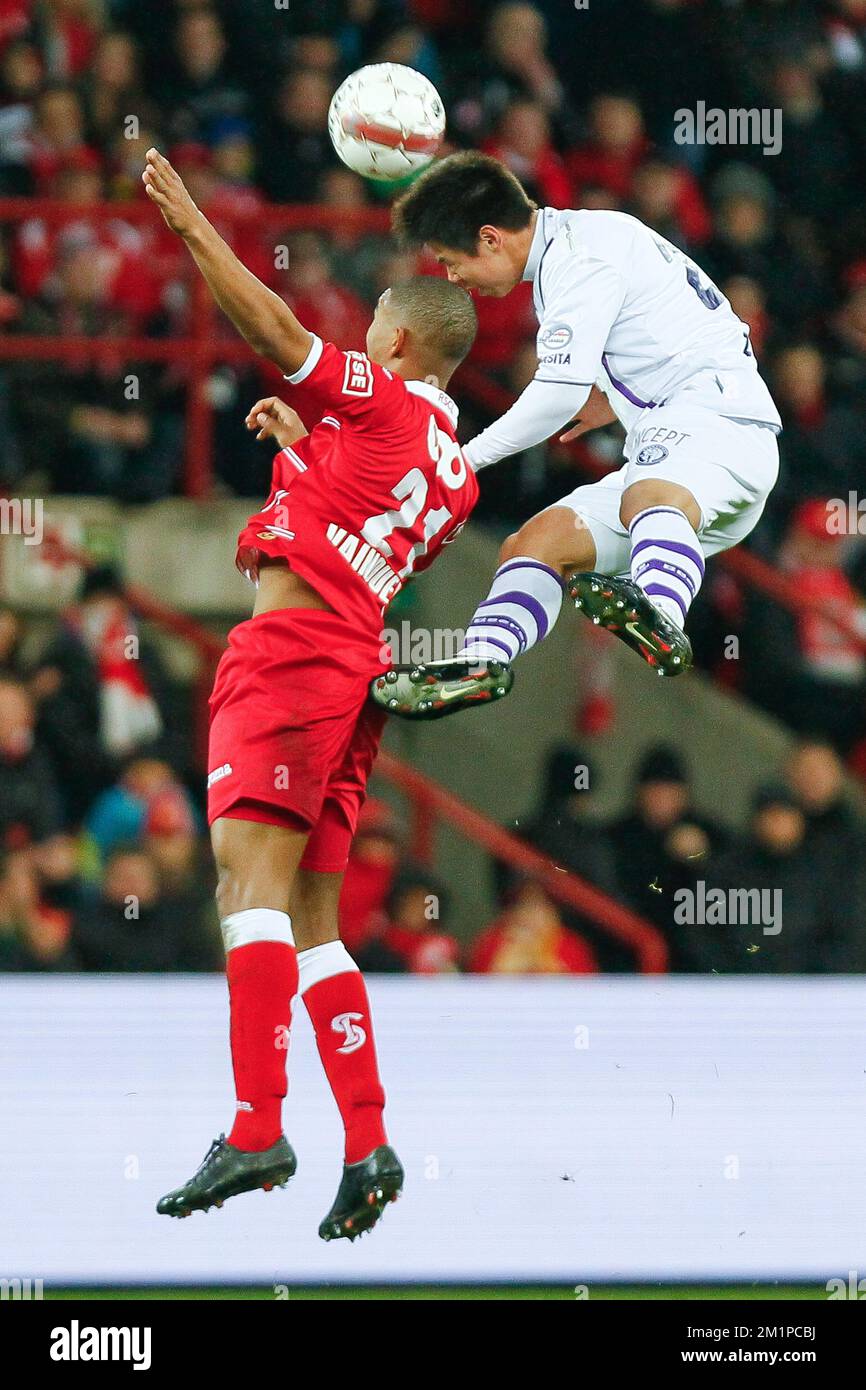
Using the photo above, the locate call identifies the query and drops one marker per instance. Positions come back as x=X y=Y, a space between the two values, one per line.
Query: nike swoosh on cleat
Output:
x=446 y=695
x=632 y=628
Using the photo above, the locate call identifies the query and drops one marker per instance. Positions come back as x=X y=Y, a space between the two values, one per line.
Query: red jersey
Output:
x=370 y=495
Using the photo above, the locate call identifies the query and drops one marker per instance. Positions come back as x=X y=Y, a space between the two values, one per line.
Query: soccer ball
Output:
x=386 y=121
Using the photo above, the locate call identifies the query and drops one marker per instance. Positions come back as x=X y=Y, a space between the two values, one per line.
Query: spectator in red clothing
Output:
x=57 y=134
x=69 y=30
x=749 y=303
x=171 y=839
x=33 y=935
x=41 y=247
x=522 y=142
x=668 y=199
x=412 y=939
x=812 y=674
x=529 y=938
x=503 y=325
x=616 y=147
x=327 y=307
x=373 y=864
x=14 y=20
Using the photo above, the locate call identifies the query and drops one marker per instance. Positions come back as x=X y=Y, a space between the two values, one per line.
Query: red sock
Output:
x=340 y=1012
x=263 y=980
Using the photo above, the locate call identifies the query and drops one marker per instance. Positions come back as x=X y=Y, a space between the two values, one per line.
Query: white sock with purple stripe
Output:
x=666 y=560
x=520 y=610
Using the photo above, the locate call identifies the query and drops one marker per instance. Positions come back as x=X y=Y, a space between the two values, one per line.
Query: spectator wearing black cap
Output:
x=816 y=776
x=810 y=921
x=663 y=844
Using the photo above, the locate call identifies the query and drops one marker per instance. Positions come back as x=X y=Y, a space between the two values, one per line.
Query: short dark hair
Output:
x=440 y=315
x=456 y=197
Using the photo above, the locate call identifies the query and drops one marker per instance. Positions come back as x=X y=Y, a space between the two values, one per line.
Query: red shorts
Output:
x=293 y=736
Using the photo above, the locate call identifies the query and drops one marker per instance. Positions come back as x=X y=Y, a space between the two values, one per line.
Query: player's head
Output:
x=475 y=217
x=422 y=327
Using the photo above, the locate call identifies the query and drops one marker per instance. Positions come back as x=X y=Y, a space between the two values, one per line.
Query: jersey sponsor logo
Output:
x=653 y=453
x=556 y=337
x=366 y=561
x=347 y=1025
x=218 y=773
x=560 y=359
x=358 y=380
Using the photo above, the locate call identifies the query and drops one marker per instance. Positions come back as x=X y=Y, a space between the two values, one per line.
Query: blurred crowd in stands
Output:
x=580 y=102
x=104 y=860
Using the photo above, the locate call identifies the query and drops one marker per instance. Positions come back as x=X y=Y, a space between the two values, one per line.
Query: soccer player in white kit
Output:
x=629 y=328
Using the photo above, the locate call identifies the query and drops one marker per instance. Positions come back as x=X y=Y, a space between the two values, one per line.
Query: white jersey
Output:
x=620 y=306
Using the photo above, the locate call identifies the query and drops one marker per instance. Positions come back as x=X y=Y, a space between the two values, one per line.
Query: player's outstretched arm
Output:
x=266 y=322
x=542 y=410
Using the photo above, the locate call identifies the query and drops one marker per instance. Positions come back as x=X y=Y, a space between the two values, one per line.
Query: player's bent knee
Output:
x=510 y=547
x=655 y=492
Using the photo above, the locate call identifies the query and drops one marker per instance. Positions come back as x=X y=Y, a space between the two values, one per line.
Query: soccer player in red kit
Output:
x=357 y=506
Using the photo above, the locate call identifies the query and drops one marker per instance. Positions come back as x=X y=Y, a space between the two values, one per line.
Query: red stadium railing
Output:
x=435 y=801
x=758 y=574
x=429 y=801
x=201 y=349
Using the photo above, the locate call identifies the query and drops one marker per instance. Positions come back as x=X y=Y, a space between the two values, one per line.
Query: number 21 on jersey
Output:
x=412 y=492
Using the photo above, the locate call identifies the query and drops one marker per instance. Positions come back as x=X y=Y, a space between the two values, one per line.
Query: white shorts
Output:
x=729 y=467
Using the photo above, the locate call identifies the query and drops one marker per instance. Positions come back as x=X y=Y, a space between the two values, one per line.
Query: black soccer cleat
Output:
x=624 y=609
x=225 y=1172
x=433 y=689
x=365 y=1190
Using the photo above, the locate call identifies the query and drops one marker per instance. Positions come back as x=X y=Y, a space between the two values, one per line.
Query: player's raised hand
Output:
x=165 y=187
x=273 y=419
x=595 y=413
